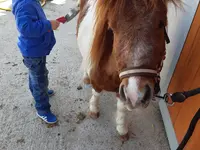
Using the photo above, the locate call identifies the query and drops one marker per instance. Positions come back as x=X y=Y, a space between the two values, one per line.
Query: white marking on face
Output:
x=141 y=55
x=132 y=90
x=134 y=93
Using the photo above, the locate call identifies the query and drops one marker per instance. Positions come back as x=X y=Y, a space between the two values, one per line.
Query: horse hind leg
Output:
x=94 y=105
x=86 y=79
x=121 y=122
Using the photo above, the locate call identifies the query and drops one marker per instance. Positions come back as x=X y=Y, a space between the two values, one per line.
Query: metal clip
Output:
x=168 y=96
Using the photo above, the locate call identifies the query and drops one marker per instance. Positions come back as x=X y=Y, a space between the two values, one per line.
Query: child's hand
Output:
x=54 y=24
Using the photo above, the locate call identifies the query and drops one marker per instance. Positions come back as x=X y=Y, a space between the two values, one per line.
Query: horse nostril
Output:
x=147 y=94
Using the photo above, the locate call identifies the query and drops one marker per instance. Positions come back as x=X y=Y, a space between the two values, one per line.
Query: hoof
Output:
x=94 y=115
x=124 y=138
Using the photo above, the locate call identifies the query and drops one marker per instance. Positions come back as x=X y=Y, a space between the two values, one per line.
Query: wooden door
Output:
x=187 y=76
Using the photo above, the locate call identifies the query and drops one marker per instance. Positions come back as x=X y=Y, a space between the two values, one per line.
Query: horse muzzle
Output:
x=136 y=92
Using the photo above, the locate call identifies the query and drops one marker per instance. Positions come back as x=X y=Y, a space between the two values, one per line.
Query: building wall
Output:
x=179 y=22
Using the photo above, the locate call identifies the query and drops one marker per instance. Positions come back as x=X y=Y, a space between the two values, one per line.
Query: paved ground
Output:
x=20 y=129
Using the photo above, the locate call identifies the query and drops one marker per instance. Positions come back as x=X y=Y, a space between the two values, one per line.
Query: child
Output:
x=36 y=40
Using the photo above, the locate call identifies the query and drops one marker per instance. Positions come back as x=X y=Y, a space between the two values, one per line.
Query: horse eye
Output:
x=110 y=30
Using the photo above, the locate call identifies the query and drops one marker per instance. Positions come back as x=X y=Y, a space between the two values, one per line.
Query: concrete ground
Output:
x=20 y=129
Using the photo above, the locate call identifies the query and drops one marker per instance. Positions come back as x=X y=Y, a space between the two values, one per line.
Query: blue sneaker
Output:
x=48 y=117
x=51 y=93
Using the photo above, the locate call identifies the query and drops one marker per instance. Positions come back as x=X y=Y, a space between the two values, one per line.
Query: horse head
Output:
x=138 y=44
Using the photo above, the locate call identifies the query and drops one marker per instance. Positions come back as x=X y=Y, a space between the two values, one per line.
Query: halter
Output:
x=129 y=72
x=137 y=72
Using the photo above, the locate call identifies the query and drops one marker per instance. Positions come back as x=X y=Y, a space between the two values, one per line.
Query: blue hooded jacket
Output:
x=36 y=37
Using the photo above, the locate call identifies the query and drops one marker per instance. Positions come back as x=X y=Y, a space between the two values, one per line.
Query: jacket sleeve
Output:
x=28 y=23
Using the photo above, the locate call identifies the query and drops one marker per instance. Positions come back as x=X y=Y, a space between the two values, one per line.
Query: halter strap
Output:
x=138 y=72
x=162 y=25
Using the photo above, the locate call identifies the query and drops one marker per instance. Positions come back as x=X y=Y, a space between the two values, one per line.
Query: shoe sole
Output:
x=45 y=120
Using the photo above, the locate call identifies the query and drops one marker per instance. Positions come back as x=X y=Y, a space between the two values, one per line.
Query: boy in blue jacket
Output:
x=36 y=40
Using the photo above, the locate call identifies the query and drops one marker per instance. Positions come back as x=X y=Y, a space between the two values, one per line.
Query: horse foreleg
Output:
x=122 y=127
x=94 y=105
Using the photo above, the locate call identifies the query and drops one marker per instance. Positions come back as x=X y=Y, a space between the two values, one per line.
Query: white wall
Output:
x=179 y=22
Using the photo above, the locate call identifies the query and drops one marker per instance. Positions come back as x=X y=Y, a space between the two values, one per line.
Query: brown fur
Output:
x=110 y=54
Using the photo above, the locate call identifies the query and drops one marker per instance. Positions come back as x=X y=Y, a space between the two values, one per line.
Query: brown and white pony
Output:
x=123 y=44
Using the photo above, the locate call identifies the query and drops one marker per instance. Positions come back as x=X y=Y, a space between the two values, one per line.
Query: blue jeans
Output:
x=38 y=82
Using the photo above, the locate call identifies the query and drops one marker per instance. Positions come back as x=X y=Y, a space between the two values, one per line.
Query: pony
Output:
x=122 y=43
